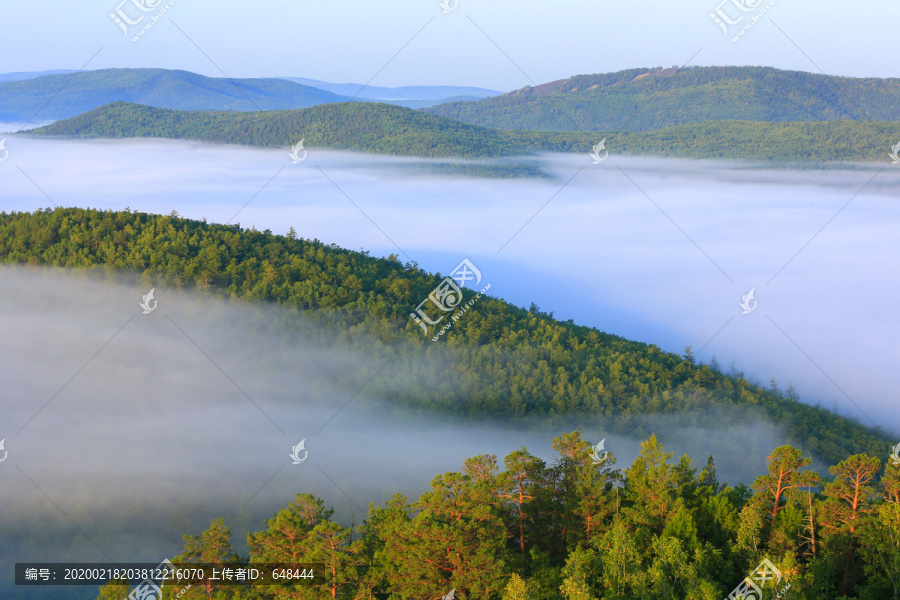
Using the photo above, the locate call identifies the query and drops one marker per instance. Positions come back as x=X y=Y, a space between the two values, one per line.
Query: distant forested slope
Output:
x=508 y=362
x=368 y=127
x=645 y=99
x=389 y=129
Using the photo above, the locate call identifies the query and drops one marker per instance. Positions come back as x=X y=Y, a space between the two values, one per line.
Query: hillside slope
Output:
x=369 y=127
x=410 y=96
x=387 y=129
x=645 y=99
x=499 y=361
x=62 y=96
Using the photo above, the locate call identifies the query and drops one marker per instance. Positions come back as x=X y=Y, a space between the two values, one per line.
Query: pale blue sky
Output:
x=344 y=40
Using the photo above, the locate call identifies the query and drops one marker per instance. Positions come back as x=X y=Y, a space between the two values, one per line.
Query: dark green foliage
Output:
x=388 y=129
x=463 y=534
x=368 y=127
x=493 y=363
x=804 y=143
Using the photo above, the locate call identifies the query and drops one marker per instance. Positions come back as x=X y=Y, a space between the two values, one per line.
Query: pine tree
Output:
x=850 y=496
x=651 y=487
x=456 y=540
x=848 y=501
x=524 y=475
x=785 y=466
x=574 y=454
x=211 y=547
x=289 y=539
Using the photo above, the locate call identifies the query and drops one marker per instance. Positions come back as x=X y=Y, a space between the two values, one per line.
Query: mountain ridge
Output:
x=646 y=99
x=390 y=129
x=64 y=96
x=410 y=96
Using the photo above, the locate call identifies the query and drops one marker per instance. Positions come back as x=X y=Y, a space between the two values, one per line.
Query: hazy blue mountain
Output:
x=409 y=92
x=23 y=75
x=410 y=96
x=66 y=96
x=648 y=99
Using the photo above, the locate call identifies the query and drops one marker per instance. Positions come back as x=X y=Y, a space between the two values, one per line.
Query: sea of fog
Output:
x=152 y=425
x=125 y=431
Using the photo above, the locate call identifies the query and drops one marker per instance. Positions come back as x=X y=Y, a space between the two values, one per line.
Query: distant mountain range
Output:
x=756 y=113
x=23 y=75
x=631 y=100
x=647 y=99
x=52 y=95
x=411 y=96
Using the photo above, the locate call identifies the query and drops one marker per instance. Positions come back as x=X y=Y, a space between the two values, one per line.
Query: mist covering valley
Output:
x=656 y=250
x=136 y=429
x=141 y=428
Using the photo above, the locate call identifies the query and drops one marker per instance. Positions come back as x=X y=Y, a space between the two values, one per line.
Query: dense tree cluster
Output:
x=499 y=361
x=366 y=127
x=800 y=144
x=582 y=529
x=388 y=129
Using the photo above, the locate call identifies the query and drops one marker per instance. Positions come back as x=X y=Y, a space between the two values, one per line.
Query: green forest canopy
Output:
x=389 y=129
x=580 y=528
x=510 y=362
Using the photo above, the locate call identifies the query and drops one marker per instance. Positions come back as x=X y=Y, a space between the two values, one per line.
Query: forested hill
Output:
x=645 y=99
x=368 y=127
x=388 y=129
x=508 y=362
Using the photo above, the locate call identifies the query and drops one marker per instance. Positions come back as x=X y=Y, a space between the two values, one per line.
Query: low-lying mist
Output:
x=656 y=250
x=126 y=430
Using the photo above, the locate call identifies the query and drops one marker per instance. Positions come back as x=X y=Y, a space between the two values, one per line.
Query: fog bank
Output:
x=127 y=430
